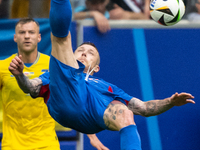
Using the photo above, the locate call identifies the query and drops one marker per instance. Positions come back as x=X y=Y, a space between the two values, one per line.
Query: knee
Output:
x=118 y=116
x=128 y=118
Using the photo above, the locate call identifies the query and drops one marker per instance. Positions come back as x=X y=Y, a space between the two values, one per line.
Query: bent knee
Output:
x=118 y=116
x=128 y=117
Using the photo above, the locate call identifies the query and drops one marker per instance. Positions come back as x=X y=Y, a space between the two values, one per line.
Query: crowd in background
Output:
x=24 y=8
x=100 y=10
x=40 y=8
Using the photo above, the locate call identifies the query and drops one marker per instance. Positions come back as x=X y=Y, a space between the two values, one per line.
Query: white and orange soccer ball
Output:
x=167 y=12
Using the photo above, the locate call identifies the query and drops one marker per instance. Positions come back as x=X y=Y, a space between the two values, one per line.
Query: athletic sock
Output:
x=129 y=138
x=60 y=17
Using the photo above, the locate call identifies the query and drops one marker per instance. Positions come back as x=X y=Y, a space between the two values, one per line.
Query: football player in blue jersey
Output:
x=78 y=99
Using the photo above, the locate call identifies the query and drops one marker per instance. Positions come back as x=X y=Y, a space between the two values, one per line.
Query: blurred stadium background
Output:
x=148 y=61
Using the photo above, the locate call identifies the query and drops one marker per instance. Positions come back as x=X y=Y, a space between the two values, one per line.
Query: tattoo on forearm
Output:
x=149 y=108
x=157 y=107
x=137 y=106
x=29 y=86
x=35 y=87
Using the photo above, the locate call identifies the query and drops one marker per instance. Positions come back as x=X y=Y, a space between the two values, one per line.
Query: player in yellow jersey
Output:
x=27 y=124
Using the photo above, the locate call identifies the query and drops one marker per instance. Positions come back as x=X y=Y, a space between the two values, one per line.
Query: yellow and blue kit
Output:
x=27 y=124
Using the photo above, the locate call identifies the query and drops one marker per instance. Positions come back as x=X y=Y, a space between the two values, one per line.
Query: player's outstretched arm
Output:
x=156 y=107
x=60 y=21
x=95 y=142
x=28 y=86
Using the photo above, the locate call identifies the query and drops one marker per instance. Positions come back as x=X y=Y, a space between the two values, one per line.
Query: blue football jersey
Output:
x=78 y=103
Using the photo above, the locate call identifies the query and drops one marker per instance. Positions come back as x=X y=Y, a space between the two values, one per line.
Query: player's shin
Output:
x=129 y=138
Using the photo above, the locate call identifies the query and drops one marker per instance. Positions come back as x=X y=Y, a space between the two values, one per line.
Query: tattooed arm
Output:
x=149 y=108
x=28 y=86
x=156 y=107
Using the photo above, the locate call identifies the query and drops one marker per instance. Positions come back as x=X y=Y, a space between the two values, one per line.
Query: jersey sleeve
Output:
x=45 y=77
x=121 y=95
x=44 y=91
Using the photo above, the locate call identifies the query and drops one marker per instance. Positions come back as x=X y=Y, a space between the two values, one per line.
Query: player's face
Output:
x=27 y=37
x=89 y=56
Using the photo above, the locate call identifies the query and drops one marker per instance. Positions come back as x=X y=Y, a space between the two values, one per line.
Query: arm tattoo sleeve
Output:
x=149 y=108
x=29 y=86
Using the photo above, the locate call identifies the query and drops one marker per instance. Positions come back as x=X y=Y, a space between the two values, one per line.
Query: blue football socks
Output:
x=129 y=138
x=60 y=17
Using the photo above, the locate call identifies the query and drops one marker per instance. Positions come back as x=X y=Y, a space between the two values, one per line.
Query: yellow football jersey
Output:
x=27 y=124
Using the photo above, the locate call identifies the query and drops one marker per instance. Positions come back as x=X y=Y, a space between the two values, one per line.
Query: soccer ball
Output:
x=167 y=12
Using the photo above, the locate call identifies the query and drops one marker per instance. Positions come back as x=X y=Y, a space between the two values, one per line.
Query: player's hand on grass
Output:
x=16 y=66
x=181 y=99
